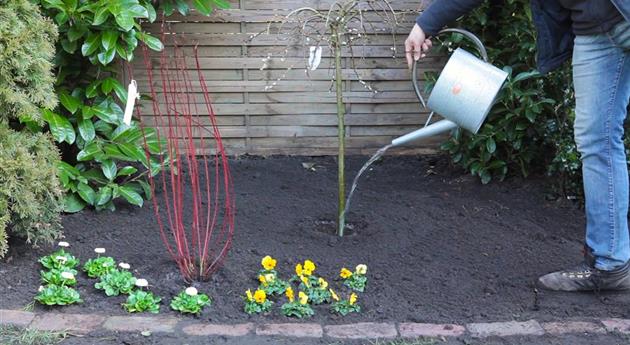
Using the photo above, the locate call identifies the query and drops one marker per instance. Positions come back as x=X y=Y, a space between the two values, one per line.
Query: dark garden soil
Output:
x=440 y=246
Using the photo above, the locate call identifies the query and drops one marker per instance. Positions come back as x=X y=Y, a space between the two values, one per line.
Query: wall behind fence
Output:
x=298 y=115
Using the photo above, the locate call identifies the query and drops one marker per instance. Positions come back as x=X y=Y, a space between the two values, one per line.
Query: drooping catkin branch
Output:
x=339 y=28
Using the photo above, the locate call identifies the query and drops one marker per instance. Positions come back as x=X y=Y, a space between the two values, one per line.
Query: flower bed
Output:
x=439 y=247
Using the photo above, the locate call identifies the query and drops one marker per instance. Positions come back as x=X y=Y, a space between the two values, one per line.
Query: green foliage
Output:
x=30 y=196
x=318 y=295
x=270 y=283
x=204 y=7
x=317 y=290
x=58 y=295
x=140 y=301
x=4 y=220
x=252 y=307
x=102 y=154
x=256 y=303
x=26 y=51
x=59 y=276
x=297 y=309
x=97 y=267
x=59 y=260
x=344 y=307
x=357 y=280
x=185 y=303
x=513 y=137
x=116 y=282
x=55 y=277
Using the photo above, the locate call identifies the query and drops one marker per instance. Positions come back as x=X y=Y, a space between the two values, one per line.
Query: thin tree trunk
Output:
x=341 y=131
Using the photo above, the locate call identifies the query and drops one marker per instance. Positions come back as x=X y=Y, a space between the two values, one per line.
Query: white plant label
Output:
x=314 y=57
x=132 y=95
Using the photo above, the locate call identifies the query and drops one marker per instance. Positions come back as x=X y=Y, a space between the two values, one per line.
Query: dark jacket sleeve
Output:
x=443 y=12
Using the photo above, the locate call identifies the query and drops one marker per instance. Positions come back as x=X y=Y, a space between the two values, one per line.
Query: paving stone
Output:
x=76 y=323
x=201 y=329
x=140 y=324
x=301 y=330
x=505 y=329
x=16 y=317
x=364 y=330
x=415 y=330
x=557 y=328
x=617 y=325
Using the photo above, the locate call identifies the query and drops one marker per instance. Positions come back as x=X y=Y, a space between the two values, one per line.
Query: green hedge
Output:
x=531 y=126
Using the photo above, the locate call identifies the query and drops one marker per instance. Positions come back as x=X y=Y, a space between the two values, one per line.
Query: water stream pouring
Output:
x=463 y=94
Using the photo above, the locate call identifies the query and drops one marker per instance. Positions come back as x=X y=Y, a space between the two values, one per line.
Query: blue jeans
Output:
x=601 y=77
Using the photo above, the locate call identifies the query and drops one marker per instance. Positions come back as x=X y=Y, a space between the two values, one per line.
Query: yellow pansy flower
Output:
x=305 y=281
x=309 y=267
x=290 y=294
x=353 y=298
x=262 y=280
x=269 y=277
x=260 y=296
x=333 y=295
x=249 y=295
x=322 y=283
x=303 y=297
x=361 y=269
x=268 y=263
x=298 y=269
x=345 y=273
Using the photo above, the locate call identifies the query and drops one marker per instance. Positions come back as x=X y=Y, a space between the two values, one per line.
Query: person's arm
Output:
x=431 y=21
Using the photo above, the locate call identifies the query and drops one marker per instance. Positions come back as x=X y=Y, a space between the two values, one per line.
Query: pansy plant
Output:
x=297 y=308
x=345 y=307
x=317 y=293
x=190 y=301
x=356 y=280
x=304 y=275
x=257 y=302
x=268 y=277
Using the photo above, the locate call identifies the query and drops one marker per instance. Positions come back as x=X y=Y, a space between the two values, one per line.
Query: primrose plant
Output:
x=99 y=266
x=59 y=277
x=59 y=259
x=190 y=301
x=140 y=301
x=117 y=281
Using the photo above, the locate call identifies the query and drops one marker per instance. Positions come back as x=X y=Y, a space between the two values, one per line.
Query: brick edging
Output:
x=86 y=323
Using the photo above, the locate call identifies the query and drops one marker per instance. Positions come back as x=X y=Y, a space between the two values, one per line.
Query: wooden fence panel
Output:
x=267 y=102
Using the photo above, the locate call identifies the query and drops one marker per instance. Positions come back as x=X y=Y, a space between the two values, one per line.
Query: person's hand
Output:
x=416 y=45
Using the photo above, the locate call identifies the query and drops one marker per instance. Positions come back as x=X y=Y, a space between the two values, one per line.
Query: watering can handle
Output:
x=467 y=34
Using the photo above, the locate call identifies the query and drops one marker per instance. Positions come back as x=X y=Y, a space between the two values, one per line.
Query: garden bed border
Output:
x=87 y=323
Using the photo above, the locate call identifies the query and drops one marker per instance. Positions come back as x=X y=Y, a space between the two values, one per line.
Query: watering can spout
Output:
x=428 y=131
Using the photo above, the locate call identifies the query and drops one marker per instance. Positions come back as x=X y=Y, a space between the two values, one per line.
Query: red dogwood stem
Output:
x=193 y=198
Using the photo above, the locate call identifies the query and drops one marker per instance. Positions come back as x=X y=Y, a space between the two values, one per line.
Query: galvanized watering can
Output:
x=463 y=94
